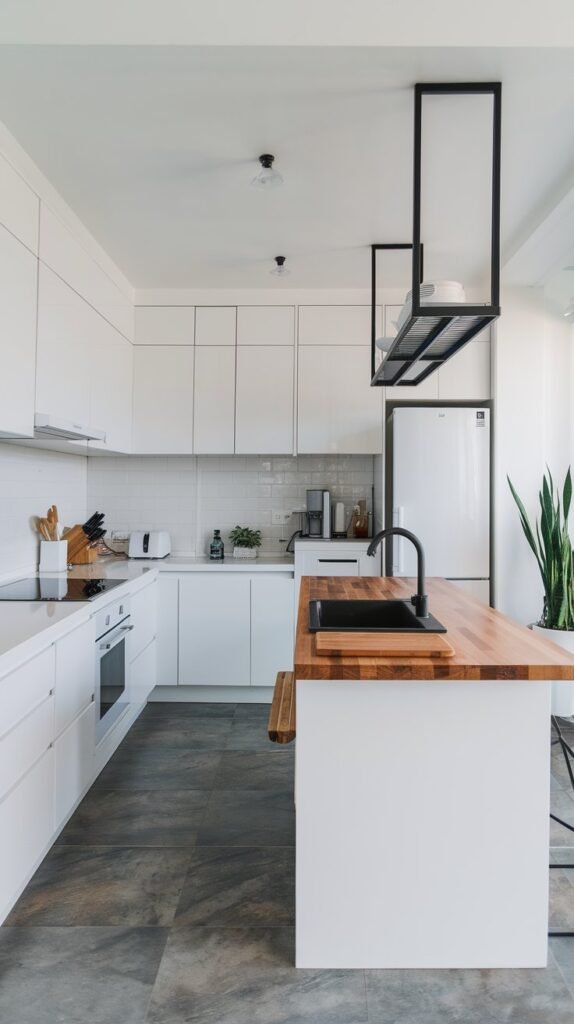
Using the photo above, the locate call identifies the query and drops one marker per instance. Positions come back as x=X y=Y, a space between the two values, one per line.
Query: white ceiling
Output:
x=154 y=149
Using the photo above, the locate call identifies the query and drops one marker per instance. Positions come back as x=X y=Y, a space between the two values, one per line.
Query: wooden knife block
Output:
x=79 y=552
x=84 y=557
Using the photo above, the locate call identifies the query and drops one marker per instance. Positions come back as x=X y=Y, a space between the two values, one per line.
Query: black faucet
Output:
x=420 y=599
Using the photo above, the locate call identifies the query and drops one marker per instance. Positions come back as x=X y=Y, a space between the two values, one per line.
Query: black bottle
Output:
x=216 y=548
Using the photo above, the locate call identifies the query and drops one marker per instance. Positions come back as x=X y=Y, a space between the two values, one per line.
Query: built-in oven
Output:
x=113 y=627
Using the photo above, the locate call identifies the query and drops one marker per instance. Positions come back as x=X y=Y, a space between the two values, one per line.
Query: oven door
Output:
x=111 y=677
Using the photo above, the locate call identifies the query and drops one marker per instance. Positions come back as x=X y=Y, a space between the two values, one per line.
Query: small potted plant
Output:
x=552 y=547
x=245 y=542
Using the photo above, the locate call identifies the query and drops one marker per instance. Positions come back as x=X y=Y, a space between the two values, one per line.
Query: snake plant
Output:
x=552 y=547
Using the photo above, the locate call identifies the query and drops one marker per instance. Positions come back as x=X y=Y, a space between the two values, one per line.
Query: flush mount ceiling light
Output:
x=279 y=270
x=267 y=177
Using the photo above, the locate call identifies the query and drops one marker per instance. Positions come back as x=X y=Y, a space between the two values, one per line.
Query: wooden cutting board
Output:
x=384 y=645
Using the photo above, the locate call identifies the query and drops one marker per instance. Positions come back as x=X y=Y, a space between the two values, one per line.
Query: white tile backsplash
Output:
x=30 y=481
x=192 y=495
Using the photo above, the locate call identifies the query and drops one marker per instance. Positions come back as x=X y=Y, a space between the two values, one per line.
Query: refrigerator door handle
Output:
x=398 y=542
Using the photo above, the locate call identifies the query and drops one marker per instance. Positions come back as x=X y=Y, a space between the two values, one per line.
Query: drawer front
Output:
x=22 y=690
x=26 y=827
x=23 y=745
x=75 y=674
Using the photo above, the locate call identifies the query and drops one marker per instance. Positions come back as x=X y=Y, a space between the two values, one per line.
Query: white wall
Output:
x=532 y=390
x=191 y=496
x=31 y=481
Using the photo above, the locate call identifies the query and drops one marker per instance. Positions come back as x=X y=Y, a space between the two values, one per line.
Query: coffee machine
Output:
x=318 y=517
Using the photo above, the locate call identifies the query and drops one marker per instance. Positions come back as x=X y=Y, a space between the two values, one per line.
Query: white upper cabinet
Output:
x=466 y=375
x=334 y=325
x=19 y=206
x=338 y=411
x=214 y=400
x=18 y=306
x=265 y=325
x=264 y=412
x=215 y=325
x=64 y=360
x=164 y=325
x=163 y=399
x=63 y=254
x=111 y=385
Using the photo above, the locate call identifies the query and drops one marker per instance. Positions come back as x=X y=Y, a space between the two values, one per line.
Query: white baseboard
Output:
x=212 y=694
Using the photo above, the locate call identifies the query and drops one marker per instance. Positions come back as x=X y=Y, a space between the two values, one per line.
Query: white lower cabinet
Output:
x=143 y=611
x=75 y=671
x=74 y=759
x=143 y=674
x=167 y=630
x=235 y=629
x=22 y=746
x=26 y=827
x=214 y=630
x=272 y=628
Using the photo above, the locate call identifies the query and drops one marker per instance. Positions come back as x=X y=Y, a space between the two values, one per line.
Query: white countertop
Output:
x=27 y=627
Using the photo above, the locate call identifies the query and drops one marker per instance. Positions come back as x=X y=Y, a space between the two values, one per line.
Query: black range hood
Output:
x=433 y=333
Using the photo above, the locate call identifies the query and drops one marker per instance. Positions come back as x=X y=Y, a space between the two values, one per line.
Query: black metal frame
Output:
x=375 y=248
x=443 y=318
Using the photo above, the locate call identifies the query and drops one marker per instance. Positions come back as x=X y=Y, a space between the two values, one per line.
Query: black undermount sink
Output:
x=369 y=617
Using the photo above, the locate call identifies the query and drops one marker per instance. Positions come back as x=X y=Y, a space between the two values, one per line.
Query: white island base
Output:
x=422 y=823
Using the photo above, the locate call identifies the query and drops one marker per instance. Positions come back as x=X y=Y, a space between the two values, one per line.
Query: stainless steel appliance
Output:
x=112 y=630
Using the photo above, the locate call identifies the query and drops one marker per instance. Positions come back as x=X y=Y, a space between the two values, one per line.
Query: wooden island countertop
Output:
x=487 y=644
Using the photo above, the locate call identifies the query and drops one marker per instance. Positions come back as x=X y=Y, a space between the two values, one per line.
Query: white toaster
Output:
x=150 y=544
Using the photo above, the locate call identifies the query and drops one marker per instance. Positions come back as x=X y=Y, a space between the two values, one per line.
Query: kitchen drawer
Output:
x=22 y=690
x=24 y=745
x=26 y=827
x=143 y=620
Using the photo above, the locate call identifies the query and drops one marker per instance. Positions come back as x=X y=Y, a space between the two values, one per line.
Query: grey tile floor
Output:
x=169 y=898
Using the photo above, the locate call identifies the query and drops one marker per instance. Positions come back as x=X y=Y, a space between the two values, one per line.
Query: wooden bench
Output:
x=282 y=715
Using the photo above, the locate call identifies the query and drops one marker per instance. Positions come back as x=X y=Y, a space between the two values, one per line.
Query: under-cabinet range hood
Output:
x=430 y=333
x=46 y=426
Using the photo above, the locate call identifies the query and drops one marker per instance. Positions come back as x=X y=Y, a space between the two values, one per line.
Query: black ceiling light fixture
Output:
x=279 y=270
x=429 y=334
x=267 y=176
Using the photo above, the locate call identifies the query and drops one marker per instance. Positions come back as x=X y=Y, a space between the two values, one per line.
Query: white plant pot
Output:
x=248 y=553
x=562 y=689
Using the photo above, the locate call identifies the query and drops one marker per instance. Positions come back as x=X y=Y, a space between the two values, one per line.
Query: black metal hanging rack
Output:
x=433 y=333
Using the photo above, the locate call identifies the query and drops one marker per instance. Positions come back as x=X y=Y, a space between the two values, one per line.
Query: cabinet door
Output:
x=214 y=629
x=466 y=376
x=266 y=325
x=272 y=628
x=264 y=400
x=215 y=325
x=163 y=399
x=26 y=827
x=335 y=325
x=75 y=674
x=167 y=630
x=214 y=400
x=18 y=306
x=63 y=363
x=338 y=410
x=143 y=674
x=22 y=746
x=164 y=325
x=143 y=609
x=111 y=386
x=75 y=762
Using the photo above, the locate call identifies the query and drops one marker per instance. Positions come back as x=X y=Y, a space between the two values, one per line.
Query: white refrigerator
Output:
x=440 y=490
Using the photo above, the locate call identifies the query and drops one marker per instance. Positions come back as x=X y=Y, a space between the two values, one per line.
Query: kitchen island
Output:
x=422 y=792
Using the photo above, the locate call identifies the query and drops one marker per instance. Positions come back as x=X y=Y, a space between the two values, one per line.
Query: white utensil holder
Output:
x=53 y=556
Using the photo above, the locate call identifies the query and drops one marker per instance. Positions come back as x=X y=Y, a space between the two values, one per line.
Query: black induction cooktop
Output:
x=55 y=588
